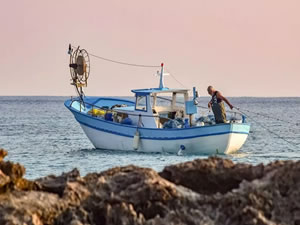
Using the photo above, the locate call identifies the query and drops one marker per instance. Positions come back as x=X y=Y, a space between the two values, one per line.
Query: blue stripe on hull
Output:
x=160 y=138
x=155 y=133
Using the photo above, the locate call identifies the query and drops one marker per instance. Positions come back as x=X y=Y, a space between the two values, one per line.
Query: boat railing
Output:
x=202 y=107
x=93 y=106
x=83 y=105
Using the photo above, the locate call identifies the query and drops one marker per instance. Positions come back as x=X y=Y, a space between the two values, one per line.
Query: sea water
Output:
x=41 y=134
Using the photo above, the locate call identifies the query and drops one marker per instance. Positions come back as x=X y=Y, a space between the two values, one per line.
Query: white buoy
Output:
x=182 y=148
x=136 y=140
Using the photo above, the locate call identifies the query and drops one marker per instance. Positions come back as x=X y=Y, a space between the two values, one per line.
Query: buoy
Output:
x=243 y=118
x=182 y=148
x=136 y=140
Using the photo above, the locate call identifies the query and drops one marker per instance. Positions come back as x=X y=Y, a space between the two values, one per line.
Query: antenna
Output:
x=161 y=80
x=162 y=74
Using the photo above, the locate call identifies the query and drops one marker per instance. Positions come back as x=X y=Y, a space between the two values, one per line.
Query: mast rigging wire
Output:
x=135 y=65
x=122 y=63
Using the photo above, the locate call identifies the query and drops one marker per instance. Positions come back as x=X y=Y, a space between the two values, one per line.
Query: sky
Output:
x=241 y=47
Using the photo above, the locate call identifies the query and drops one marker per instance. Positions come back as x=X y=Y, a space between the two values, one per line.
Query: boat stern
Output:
x=237 y=137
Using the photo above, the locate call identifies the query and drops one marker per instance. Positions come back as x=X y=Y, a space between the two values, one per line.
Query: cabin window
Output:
x=141 y=103
x=179 y=101
x=164 y=100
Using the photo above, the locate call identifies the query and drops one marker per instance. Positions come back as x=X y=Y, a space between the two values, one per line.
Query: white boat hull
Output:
x=213 y=139
x=216 y=144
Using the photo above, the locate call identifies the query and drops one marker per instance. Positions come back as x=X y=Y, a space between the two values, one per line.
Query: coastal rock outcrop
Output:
x=11 y=176
x=212 y=175
x=209 y=191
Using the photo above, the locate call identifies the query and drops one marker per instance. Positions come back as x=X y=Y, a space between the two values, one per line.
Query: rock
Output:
x=14 y=170
x=75 y=222
x=3 y=153
x=212 y=175
x=211 y=191
x=4 y=180
x=30 y=207
x=57 y=184
x=11 y=177
x=273 y=199
x=131 y=195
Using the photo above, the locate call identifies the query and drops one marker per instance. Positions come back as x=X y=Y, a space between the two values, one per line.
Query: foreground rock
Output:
x=209 y=176
x=210 y=191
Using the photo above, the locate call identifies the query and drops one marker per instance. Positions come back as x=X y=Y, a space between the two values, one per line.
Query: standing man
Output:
x=217 y=105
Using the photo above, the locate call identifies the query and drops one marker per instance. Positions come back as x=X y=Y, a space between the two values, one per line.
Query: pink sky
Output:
x=243 y=48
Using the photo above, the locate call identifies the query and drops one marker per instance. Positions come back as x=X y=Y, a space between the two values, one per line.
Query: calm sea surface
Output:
x=41 y=134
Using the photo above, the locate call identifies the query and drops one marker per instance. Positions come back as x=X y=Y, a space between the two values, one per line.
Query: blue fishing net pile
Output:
x=176 y=123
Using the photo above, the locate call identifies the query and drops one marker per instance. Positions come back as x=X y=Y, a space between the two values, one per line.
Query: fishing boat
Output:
x=155 y=121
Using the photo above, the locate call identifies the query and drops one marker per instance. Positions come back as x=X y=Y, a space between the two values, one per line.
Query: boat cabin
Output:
x=155 y=106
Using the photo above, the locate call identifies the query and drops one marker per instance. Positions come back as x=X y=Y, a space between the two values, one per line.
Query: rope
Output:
x=271 y=117
x=123 y=63
x=176 y=79
x=243 y=113
x=270 y=131
x=137 y=65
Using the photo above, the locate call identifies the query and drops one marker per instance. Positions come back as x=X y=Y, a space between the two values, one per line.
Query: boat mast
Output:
x=161 y=80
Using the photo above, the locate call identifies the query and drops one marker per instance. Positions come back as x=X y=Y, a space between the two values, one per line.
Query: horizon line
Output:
x=134 y=96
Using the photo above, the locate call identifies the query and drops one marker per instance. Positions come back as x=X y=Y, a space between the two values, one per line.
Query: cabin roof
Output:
x=158 y=90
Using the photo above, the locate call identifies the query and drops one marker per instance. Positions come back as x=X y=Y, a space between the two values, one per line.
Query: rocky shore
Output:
x=208 y=191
